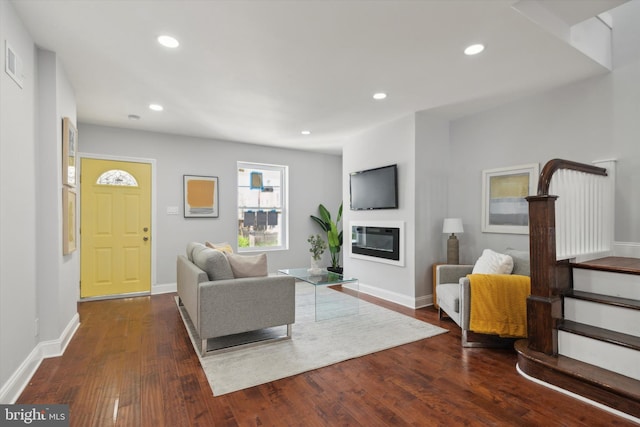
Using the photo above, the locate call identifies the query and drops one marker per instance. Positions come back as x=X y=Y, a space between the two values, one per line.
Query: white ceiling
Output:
x=262 y=71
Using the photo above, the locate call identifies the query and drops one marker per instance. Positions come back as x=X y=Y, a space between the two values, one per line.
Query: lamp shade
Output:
x=452 y=225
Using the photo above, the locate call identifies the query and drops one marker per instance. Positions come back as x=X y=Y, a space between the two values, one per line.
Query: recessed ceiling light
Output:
x=474 y=49
x=168 y=41
x=306 y=132
x=379 y=95
x=156 y=107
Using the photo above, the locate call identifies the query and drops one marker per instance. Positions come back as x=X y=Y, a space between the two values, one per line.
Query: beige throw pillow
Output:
x=491 y=262
x=248 y=265
x=224 y=247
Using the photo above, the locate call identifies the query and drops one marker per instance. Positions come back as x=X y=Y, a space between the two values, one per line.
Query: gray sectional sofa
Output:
x=220 y=304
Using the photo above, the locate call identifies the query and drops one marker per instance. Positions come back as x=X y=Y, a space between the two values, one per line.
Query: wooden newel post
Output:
x=544 y=305
x=549 y=277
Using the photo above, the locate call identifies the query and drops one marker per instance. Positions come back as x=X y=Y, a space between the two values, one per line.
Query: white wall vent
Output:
x=13 y=64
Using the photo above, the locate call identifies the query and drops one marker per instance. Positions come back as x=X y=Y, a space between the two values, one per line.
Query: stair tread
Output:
x=614 y=264
x=600 y=334
x=603 y=299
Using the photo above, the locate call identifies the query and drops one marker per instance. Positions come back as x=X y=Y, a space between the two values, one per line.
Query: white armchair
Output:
x=450 y=289
x=454 y=297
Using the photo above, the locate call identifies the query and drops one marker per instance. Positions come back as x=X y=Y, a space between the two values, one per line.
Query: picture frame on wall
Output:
x=69 y=242
x=200 y=196
x=504 y=205
x=69 y=149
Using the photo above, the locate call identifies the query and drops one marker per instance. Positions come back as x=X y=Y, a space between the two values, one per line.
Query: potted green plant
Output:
x=334 y=235
x=318 y=246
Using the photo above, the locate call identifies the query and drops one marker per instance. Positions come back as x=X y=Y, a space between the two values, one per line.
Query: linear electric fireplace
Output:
x=382 y=242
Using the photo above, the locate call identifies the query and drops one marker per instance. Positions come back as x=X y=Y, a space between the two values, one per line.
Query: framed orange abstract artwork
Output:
x=200 y=196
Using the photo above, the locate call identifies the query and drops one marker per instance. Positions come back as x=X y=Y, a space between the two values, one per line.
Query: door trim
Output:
x=152 y=162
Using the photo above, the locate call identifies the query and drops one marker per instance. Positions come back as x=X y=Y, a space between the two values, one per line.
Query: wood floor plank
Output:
x=131 y=363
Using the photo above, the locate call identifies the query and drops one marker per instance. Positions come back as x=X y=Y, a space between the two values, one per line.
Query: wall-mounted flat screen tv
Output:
x=374 y=188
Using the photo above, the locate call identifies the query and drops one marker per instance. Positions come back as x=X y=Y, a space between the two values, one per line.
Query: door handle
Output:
x=145 y=238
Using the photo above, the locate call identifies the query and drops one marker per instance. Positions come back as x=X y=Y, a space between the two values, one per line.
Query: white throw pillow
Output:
x=248 y=265
x=491 y=262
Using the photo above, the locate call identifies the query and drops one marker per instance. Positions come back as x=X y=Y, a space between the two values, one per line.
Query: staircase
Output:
x=601 y=324
x=583 y=314
x=598 y=336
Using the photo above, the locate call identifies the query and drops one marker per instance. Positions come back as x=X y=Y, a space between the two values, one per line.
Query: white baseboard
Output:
x=424 y=301
x=14 y=386
x=165 y=288
x=626 y=249
x=57 y=347
x=396 y=297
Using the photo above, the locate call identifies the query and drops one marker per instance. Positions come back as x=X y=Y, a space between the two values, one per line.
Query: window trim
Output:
x=284 y=194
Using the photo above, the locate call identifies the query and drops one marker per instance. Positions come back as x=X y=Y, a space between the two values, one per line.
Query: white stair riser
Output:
x=615 y=358
x=607 y=283
x=618 y=319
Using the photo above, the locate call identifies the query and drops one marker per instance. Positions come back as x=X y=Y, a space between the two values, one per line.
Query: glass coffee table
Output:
x=328 y=303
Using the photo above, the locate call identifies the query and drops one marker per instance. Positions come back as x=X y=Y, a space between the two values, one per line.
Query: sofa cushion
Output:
x=224 y=247
x=521 y=262
x=196 y=250
x=190 y=248
x=213 y=262
x=491 y=262
x=248 y=265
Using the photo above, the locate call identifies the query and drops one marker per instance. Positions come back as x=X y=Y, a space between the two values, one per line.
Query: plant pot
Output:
x=315 y=267
x=335 y=269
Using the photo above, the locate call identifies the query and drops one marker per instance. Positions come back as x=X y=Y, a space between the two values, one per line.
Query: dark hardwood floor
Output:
x=131 y=364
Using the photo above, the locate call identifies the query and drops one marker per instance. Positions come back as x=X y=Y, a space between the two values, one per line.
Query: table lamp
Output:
x=452 y=225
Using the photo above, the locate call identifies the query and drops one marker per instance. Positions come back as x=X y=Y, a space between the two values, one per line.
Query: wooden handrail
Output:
x=549 y=277
x=556 y=164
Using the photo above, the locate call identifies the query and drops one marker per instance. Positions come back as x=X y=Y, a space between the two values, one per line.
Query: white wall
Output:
x=591 y=120
x=626 y=111
x=69 y=279
x=433 y=166
x=313 y=179
x=37 y=284
x=419 y=144
x=389 y=143
x=17 y=200
x=56 y=298
x=48 y=195
x=626 y=34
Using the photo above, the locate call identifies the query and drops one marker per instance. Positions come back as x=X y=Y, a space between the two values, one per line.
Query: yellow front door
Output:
x=115 y=227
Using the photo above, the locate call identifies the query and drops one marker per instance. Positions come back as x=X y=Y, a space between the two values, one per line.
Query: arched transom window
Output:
x=117 y=177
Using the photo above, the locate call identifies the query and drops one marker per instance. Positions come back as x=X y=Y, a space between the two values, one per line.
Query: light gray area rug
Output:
x=362 y=328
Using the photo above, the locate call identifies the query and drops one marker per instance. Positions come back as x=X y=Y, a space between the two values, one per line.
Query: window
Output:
x=262 y=213
x=117 y=177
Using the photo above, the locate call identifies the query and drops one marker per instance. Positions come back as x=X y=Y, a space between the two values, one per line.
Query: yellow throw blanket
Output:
x=499 y=304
